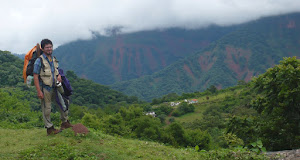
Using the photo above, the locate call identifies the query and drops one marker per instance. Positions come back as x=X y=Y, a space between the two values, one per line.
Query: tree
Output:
x=177 y=134
x=279 y=100
x=212 y=89
x=163 y=109
x=146 y=127
x=198 y=138
x=241 y=83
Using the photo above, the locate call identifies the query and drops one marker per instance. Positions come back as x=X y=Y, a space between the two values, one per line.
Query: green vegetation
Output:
x=130 y=122
x=239 y=55
x=10 y=69
x=93 y=95
x=279 y=102
x=110 y=59
x=87 y=93
x=33 y=144
x=183 y=108
x=240 y=122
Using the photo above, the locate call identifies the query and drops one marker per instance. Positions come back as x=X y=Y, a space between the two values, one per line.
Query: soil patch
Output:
x=80 y=129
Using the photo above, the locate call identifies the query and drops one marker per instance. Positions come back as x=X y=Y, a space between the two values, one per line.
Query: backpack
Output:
x=29 y=60
x=65 y=83
x=62 y=98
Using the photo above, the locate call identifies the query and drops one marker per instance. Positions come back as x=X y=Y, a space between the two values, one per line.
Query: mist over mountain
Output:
x=179 y=60
x=239 y=55
x=67 y=23
x=120 y=57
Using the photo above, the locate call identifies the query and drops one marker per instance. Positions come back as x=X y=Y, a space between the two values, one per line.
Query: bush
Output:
x=176 y=134
x=115 y=125
x=91 y=121
x=278 y=100
x=177 y=113
x=198 y=138
x=186 y=108
x=146 y=127
x=163 y=109
x=230 y=140
x=162 y=118
x=183 y=108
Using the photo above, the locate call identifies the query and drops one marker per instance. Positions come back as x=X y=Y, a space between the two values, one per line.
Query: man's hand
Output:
x=59 y=78
x=40 y=94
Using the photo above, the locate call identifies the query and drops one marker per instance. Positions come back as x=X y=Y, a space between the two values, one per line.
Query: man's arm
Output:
x=37 y=86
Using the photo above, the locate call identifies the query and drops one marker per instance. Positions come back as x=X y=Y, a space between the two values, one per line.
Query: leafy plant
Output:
x=278 y=101
x=258 y=147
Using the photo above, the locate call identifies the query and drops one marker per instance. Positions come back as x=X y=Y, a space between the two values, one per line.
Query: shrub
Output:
x=177 y=134
x=163 y=109
x=115 y=125
x=91 y=121
x=198 y=138
x=146 y=127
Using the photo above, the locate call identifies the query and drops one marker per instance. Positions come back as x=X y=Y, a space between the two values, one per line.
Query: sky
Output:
x=25 y=23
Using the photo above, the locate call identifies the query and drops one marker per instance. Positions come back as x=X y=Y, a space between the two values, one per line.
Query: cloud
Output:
x=25 y=23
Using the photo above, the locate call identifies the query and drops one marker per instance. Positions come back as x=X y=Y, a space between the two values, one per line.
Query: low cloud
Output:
x=25 y=23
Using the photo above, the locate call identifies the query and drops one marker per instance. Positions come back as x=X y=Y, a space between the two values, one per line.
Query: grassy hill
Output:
x=220 y=100
x=34 y=144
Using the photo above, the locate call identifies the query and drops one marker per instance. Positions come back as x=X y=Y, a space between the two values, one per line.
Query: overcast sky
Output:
x=25 y=22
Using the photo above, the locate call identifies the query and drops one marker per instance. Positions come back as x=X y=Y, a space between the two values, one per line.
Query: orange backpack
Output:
x=29 y=60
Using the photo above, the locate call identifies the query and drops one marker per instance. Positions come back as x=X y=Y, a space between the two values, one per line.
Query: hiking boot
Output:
x=65 y=125
x=52 y=130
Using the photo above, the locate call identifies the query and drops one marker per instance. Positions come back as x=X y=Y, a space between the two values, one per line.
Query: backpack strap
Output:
x=43 y=68
x=55 y=58
x=38 y=50
x=42 y=64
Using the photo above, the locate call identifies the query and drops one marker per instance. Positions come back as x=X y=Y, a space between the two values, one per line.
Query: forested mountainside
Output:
x=10 y=69
x=239 y=55
x=122 y=57
x=86 y=92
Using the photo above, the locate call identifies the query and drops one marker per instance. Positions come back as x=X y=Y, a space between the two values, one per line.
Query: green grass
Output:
x=35 y=144
x=203 y=104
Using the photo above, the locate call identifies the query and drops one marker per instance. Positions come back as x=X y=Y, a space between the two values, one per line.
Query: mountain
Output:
x=121 y=57
x=11 y=69
x=239 y=55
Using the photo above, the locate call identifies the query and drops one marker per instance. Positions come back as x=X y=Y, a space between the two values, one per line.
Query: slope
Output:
x=10 y=69
x=32 y=144
x=239 y=55
x=122 y=57
x=85 y=92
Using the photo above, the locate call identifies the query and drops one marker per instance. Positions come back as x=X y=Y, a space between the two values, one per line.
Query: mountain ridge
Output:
x=127 y=56
x=239 y=55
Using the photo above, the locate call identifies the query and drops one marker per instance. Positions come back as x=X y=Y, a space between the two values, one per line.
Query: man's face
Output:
x=48 y=49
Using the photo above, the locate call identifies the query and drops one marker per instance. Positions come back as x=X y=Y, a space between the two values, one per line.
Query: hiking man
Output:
x=46 y=76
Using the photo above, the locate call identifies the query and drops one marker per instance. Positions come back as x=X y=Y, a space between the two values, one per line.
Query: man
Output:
x=46 y=75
